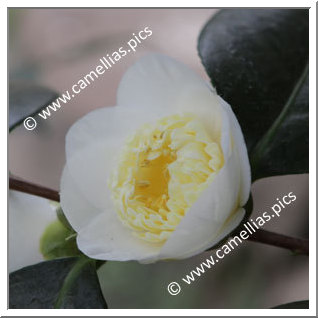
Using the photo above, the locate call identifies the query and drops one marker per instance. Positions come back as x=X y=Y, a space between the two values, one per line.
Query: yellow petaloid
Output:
x=161 y=172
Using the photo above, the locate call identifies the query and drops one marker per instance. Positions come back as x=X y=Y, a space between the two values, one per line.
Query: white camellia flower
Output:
x=163 y=175
x=28 y=217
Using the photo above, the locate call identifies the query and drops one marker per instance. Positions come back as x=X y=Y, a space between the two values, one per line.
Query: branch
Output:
x=261 y=236
x=32 y=188
x=296 y=245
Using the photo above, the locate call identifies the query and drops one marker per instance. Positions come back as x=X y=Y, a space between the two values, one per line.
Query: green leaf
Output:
x=27 y=99
x=61 y=283
x=255 y=58
x=304 y=304
x=58 y=241
x=284 y=148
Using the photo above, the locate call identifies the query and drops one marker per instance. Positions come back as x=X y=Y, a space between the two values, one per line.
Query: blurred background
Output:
x=55 y=48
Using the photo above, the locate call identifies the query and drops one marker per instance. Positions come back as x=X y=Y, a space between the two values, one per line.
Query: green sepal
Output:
x=58 y=241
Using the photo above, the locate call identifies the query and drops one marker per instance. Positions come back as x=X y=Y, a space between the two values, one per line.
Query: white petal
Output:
x=99 y=125
x=78 y=211
x=90 y=169
x=163 y=86
x=205 y=220
x=226 y=140
x=28 y=217
x=106 y=238
x=231 y=224
x=239 y=144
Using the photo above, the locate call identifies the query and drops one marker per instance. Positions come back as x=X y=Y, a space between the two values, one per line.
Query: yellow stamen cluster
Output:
x=162 y=170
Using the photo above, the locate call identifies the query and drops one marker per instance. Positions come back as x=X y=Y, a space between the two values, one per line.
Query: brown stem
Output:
x=261 y=236
x=296 y=245
x=32 y=188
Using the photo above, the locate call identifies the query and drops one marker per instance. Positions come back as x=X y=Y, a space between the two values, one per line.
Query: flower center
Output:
x=162 y=170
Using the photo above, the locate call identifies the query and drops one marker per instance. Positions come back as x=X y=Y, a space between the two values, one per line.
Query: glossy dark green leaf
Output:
x=60 y=283
x=27 y=99
x=304 y=304
x=254 y=58
x=287 y=149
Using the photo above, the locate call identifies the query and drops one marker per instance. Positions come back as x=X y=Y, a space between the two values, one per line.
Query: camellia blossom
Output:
x=28 y=217
x=162 y=175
